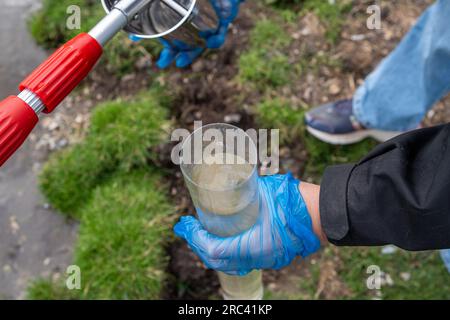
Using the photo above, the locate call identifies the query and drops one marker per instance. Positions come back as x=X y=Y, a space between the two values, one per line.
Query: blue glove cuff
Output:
x=298 y=219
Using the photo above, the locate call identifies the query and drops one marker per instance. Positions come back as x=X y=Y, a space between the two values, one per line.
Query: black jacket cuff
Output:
x=333 y=202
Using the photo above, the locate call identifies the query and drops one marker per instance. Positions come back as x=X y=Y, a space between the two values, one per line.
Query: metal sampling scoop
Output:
x=172 y=19
x=54 y=79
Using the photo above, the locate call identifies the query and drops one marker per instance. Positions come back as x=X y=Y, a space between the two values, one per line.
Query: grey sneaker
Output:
x=335 y=123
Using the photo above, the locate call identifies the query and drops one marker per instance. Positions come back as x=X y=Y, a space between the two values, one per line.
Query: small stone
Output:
x=79 y=119
x=272 y=286
x=198 y=66
x=386 y=279
x=6 y=268
x=53 y=126
x=128 y=77
x=297 y=35
x=335 y=87
x=46 y=261
x=62 y=143
x=358 y=37
x=86 y=91
x=198 y=115
x=390 y=249
x=406 y=276
x=13 y=225
x=232 y=118
x=143 y=63
x=45 y=122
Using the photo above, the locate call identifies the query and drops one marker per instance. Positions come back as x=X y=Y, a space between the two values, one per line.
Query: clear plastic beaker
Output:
x=219 y=164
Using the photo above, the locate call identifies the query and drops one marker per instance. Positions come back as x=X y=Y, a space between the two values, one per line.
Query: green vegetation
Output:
x=120 y=138
x=428 y=275
x=43 y=289
x=269 y=38
x=124 y=230
x=120 y=250
x=278 y=113
x=322 y=155
x=121 y=202
x=264 y=64
x=48 y=27
x=420 y=275
x=331 y=15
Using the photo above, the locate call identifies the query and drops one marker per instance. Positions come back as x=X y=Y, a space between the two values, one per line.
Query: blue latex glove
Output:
x=283 y=231
x=183 y=54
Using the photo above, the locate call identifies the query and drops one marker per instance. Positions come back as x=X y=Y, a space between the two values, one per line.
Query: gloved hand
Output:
x=183 y=54
x=282 y=232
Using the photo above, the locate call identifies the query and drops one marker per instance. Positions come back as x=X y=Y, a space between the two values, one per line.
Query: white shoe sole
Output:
x=354 y=137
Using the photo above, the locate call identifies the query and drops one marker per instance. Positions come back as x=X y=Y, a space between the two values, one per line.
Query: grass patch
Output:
x=278 y=113
x=120 y=249
x=331 y=15
x=429 y=277
x=322 y=155
x=44 y=289
x=313 y=63
x=120 y=138
x=48 y=27
x=264 y=63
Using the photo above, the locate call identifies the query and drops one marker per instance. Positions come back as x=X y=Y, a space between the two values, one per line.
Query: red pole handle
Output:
x=55 y=78
x=17 y=120
x=51 y=82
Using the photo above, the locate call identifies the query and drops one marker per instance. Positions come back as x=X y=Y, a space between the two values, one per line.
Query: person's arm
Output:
x=398 y=194
x=310 y=193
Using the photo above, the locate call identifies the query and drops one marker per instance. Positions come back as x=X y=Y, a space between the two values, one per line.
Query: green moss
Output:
x=428 y=275
x=278 y=113
x=120 y=249
x=120 y=138
x=322 y=155
x=45 y=289
x=331 y=15
x=48 y=25
x=264 y=63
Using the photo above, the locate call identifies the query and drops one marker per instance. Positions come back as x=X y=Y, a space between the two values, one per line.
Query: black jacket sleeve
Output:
x=398 y=194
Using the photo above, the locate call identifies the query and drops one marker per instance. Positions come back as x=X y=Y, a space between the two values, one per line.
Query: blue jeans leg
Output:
x=406 y=84
x=445 y=254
